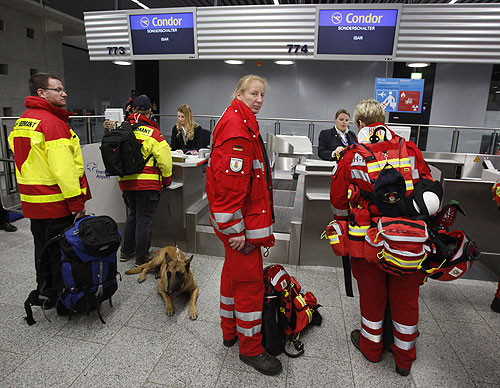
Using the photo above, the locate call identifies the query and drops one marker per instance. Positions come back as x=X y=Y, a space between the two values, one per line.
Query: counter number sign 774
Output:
x=294 y=48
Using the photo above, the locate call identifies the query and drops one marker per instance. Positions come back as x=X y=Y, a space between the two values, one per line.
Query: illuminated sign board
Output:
x=163 y=35
x=356 y=33
x=400 y=94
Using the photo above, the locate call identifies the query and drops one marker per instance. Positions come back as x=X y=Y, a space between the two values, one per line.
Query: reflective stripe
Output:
x=399 y=262
x=396 y=163
x=358 y=230
x=339 y=212
x=409 y=185
x=62 y=142
x=301 y=300
x=248 y=317
x=236 y=228
x=226 y=300
x=424 y=250
x=226 y=314
x=372 y=337
x=358 y=174
x=209 y=164
x=371 y=324
x=404 y=329
x=334 y=239
x=249 y=332
x=259 y=233
x=146 y=177
x=226 y=217
x=274 y=280
x=405 y=345
x=257 y=164
x=42 y=198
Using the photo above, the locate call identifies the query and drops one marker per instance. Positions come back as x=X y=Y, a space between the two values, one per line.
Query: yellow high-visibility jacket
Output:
x=49 y=163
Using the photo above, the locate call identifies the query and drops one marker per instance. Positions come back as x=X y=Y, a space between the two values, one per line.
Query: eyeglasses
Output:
x=58 y=90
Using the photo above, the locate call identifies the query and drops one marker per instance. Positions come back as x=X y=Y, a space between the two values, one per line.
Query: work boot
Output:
x=402 y=372
x=229 y=343
x=264 y=363
x=8 y=227
x=126 y=256
x=356 y=340
x=495 y=305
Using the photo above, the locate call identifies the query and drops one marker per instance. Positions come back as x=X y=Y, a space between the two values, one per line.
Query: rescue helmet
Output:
x=455 y=255
x=276 y=277
x=431 y=203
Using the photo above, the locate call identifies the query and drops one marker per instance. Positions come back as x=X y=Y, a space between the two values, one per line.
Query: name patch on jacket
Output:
x=24 y=123
x=236 y=164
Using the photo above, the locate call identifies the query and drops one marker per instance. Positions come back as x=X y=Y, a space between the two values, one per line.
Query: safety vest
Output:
x=495 y=190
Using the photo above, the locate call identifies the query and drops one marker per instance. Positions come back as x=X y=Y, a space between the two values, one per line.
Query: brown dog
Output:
x=176 y=277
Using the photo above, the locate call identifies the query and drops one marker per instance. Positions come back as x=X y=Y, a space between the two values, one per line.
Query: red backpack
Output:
x=287 y=311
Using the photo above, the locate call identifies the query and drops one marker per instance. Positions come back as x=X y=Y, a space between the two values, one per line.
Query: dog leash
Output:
x=172 y=230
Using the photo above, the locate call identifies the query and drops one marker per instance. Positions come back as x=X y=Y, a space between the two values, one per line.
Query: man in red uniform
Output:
x=141 y=192
x=377 y=287
x=239 y=191
x=50 y=174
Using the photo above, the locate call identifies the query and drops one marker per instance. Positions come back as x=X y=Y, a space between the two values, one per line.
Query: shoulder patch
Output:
x=358 y=160
x=236 y=164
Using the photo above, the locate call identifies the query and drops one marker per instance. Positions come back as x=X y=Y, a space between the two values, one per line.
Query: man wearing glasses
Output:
x=50 y=176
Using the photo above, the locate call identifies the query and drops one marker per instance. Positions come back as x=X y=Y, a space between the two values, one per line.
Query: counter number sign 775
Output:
x=294 y=48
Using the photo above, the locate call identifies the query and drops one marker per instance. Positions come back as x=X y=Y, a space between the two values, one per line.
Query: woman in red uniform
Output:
x=239 y=191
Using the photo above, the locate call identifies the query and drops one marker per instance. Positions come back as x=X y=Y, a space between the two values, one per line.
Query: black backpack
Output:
x=121 y=152
x=87 y=270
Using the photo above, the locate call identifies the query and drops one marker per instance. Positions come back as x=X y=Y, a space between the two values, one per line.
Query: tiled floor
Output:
x=140 y=346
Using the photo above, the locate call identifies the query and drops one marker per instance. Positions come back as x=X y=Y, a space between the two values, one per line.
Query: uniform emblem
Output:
x=236 y=164
x=358 y=160
x=391 y=197
x=456 y=272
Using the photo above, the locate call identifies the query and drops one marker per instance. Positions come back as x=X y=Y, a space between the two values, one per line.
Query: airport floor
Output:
x=139 y=346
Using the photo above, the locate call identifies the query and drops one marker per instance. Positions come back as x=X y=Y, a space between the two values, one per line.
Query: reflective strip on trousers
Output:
x=226 y=314
x=249 y=332
x=248 y=317
x=236 y=228
x=226 y=217
x=358 y=174
x=372 y=325
x=404 y=329
x=339 y=212
x=405 y=345
x=226 y=300
x=259 y=233
x=371 y=337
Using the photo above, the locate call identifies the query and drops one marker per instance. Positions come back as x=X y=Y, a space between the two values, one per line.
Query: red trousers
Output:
x=498 y=291
x=241 y=299
x=376 y=287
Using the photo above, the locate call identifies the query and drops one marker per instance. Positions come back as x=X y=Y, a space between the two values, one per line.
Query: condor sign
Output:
x=356 y=32
x=171 y=34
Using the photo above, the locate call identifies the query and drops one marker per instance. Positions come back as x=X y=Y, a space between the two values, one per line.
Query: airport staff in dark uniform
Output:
x=333 y=141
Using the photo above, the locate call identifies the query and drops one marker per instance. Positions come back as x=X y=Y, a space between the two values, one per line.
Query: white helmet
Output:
x=431 y=202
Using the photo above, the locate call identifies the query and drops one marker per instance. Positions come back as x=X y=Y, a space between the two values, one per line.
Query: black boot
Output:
x=264 y=363
x=356 y=340
x=495 y=305
x=229 y=343
x=402 y=372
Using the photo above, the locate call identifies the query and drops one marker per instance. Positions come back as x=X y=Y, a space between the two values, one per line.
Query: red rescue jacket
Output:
x=239 y=187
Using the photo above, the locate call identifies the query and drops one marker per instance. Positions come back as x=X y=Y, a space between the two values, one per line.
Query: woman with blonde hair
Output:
x=187 y=135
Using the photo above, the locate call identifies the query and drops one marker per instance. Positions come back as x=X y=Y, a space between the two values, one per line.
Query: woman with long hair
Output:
x=187 y=135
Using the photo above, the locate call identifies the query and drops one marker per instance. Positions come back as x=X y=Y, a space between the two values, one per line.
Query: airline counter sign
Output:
x=400 y=94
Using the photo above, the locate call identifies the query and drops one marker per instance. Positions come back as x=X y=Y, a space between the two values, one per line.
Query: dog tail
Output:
x=133 y=271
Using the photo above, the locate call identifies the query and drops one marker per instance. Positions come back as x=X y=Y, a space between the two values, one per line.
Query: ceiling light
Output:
x=417 y=64
x=234 y=61
x=123 y=63
x=276 y=2
x=452 y=1
x=284 y=62
x=140 y=4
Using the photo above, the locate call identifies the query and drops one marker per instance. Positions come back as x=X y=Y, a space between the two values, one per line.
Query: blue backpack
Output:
x=87 y=267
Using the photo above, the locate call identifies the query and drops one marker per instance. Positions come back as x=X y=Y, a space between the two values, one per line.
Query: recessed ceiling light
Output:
x=140 y=4
x=284 y=62
x=123 y=63
x=234 y=61
x=417 y=64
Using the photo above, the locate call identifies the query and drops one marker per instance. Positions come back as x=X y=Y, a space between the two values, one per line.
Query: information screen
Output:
x=165 y=33
x=356 y=32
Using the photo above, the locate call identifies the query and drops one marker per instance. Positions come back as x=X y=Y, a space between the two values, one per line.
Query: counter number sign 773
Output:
x=294 y=48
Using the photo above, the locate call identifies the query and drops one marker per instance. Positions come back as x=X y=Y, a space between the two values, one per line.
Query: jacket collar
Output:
x=137 y=118
x=35 y=102
x=246 y=114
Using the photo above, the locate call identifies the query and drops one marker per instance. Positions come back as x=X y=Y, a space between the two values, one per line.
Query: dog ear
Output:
x=187 y=262
x=167 y=257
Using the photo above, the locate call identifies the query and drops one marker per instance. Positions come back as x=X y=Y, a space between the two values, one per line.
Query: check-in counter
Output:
x=187 y=189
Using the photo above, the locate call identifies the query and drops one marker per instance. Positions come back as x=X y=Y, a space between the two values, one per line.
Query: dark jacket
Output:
x=201 y=139
x=329 y=140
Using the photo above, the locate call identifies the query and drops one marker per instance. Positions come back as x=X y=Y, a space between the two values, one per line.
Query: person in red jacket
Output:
x=50 y=175
x=377 y=287
x=239 y=191
x=141 y=192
